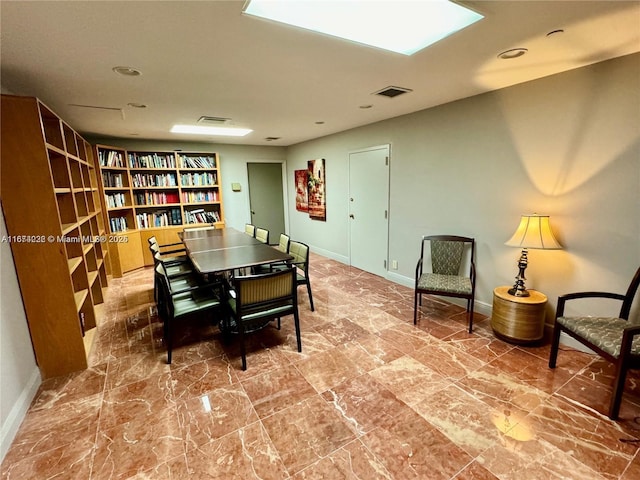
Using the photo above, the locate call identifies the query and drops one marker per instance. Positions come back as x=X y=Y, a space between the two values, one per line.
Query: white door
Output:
x=369 y=209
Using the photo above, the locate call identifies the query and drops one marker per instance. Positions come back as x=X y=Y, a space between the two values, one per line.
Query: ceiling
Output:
x=205 y=58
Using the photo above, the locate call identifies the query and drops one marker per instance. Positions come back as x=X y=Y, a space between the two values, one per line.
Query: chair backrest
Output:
x=630 y=295
x=261 y=293
x=262 y=235
x=155 y=249
x=300 y=253
x=448 y=253
x=283 y=244
x=250 y=229
x=152 y=240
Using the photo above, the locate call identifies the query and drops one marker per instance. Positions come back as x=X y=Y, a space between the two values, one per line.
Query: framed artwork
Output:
x=301 y=190
x=316 y=189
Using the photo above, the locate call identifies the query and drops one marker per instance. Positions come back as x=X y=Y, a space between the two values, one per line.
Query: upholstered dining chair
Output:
x=262 y=235
x=613 y=338
x=182 y=298
x=300 y=253
x=260 y=299
x=449 y=255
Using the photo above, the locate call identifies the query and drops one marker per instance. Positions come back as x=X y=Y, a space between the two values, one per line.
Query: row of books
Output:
x=151 y=160
x=200 y=196
x=116 y=200
x=201 y=216
x=156 y=198
x=111 y=179
x=153 y=180
x=197 y=179
x=196 y=162
x=159 y=219
x=118 y=224
x=110 y=158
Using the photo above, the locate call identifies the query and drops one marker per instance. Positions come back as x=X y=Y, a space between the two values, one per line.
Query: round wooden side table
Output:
x=518 y=319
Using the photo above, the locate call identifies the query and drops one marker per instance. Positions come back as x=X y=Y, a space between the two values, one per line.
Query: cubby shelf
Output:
x=50 y=194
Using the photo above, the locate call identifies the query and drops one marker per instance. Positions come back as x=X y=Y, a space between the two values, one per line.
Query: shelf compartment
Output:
x=51 y=126
x=70 y=140
x=66 y=208
x=59 y=170
x=197 y=161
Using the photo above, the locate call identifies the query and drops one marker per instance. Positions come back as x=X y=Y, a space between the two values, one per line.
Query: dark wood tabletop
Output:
x=227 y=249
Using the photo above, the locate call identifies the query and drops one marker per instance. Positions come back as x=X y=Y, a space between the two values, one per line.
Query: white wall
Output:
x=19 y=375
x=566 y=145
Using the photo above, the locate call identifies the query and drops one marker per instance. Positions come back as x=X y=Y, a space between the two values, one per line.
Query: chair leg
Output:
x=243 y=351
x=296 y=320
x=470 y=310
x=310 y=296
x=168 y=339
x=555 y=344
x=618 y=389
x=415 y=308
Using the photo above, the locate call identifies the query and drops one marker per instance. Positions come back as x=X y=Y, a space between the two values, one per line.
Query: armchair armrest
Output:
x=418 y=270
x=562 y=299
x=627 y=338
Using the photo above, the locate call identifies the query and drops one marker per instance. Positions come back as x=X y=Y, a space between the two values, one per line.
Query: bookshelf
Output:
x=155 y=193
x=52 y=207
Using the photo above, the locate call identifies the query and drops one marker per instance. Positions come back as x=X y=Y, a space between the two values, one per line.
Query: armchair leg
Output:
x=470 y=310
x=415 y=309
x=296 y=320
x=618 y=388
x=555 y=344
x=243 y=351
x=310 y=296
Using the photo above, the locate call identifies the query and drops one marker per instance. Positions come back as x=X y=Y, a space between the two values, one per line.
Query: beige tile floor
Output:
x=370 y=397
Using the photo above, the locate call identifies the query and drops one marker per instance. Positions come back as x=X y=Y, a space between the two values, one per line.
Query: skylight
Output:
x=402 y=26
x=219 y=131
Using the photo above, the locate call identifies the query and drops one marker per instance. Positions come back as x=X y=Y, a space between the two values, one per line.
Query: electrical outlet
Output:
x=394 y=264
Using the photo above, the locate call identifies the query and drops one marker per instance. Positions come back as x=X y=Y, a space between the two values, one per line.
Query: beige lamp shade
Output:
x=534 y=231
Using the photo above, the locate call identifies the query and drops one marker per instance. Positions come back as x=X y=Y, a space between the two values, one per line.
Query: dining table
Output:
x=220 y=250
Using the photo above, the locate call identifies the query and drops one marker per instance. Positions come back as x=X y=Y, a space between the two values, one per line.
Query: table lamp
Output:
x=534 y=231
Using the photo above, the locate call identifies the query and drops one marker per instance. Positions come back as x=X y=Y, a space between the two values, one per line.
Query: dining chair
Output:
x=182 y=300
x=300 y=253
x=260 y=299
x=448 y=256
x=200 y=227
x=168 y=255
x=262 y=235
x=250 y=229
x=613 y=338
x=283 y=243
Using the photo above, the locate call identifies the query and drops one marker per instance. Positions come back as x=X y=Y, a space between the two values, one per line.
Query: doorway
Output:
x=266 y=200
x=369 y=209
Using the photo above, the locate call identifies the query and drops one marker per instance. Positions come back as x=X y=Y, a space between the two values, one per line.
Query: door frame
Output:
x=363 y=150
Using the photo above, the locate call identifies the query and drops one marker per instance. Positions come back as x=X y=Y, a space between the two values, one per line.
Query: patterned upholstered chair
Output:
x=258 y=300
x=613 y=338
x=300 y=253
x=449 y=254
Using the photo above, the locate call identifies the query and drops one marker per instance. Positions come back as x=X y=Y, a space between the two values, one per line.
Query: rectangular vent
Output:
x=271 y=139
x=213 y=120
x=391 y=92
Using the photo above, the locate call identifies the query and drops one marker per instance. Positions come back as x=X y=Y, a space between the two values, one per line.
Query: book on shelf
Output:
x=151 y=160
x=156 y=198
x=110 y=179
x=116 y=200
x=201 y=216
x=197 y=196
x=196 y=161
x=198 y=179
x=110 y=158
x=161 y=218
x=118 y=224
x=141 y=180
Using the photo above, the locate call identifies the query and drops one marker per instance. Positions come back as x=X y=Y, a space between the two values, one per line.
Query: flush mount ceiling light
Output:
x=128 y=71
x=218 y=131
x=512 y=53
x=402 y=26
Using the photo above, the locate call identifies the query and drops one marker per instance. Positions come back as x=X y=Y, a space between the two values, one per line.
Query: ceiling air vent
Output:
x=213 y=120
x=391 y=92
x=271 y=139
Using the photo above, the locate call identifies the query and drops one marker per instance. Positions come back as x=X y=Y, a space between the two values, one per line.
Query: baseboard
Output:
x=12 y=423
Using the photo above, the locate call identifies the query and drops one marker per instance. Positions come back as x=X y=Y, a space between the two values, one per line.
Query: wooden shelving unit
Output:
x=51 y=203
x=155 y=193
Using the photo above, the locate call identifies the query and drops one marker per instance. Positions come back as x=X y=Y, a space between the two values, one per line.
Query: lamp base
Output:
x=519 y=290
x=518 y=293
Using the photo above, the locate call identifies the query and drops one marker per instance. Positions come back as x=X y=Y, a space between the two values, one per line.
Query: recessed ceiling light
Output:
x=219 y=131
x=512 y=53
x=402 y=27
x=128 y=71
x=136 y=105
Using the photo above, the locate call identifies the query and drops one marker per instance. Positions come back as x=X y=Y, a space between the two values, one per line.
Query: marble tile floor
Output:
x=370 y=397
